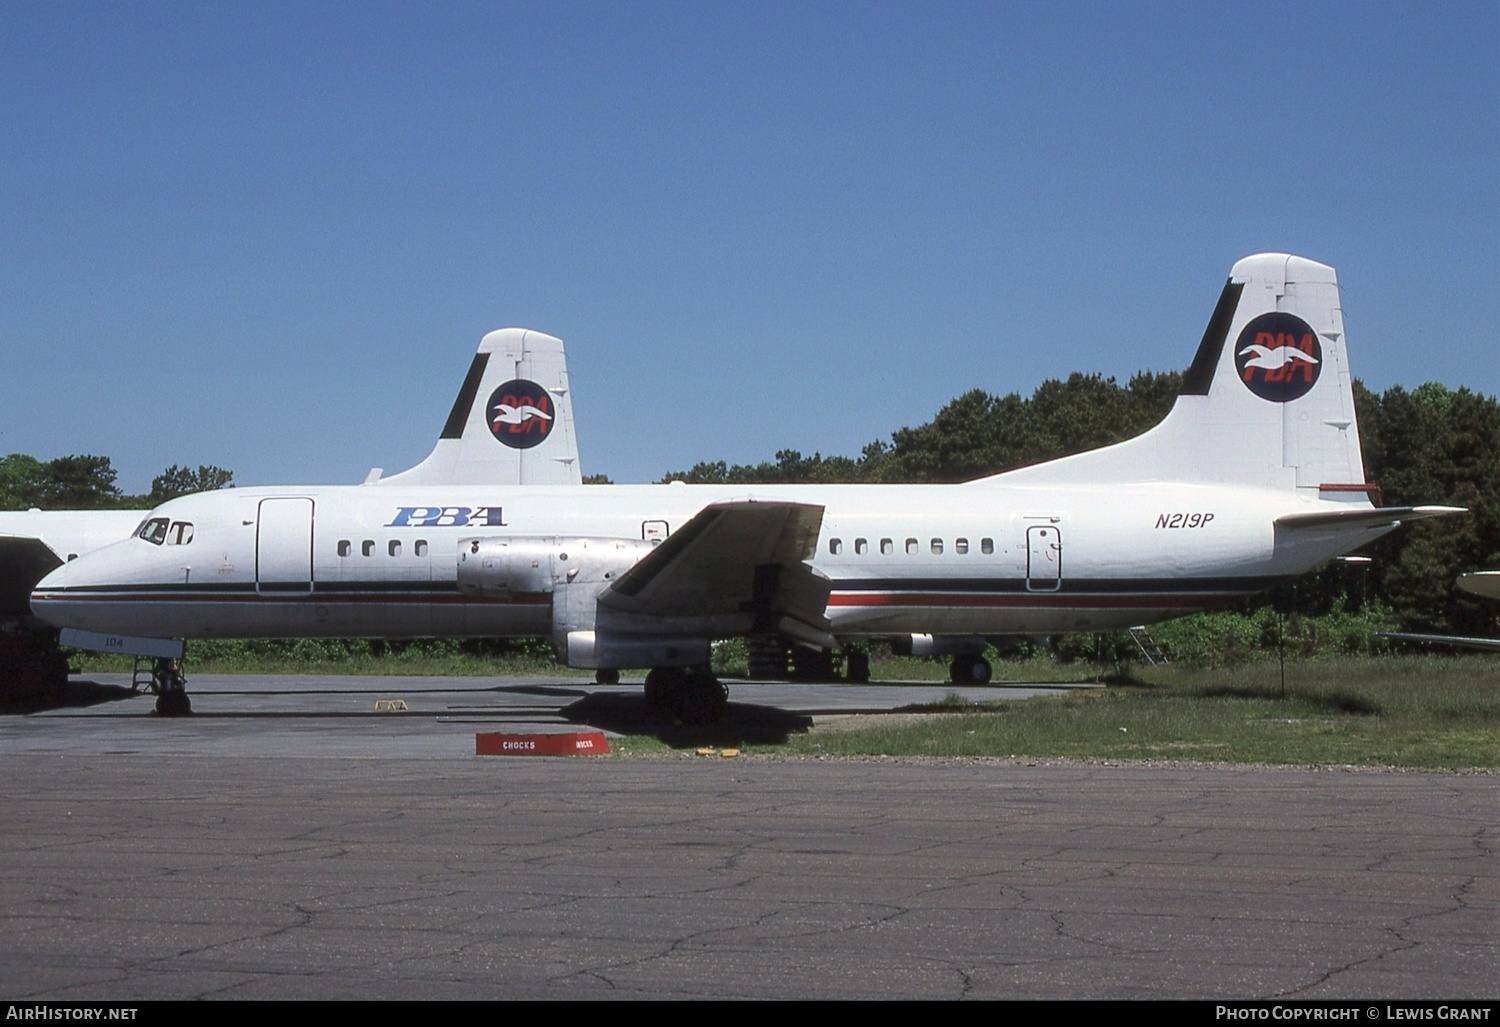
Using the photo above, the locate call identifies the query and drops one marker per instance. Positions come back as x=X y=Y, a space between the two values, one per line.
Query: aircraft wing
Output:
x=24 y=561
x=1455 y=640
x=739 y=567
x=1371 y=515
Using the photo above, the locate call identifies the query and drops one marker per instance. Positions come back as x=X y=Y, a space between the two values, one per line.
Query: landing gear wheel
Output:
x=857 y=666
x=170 y=686
x=686 y=695
x=970 y=670
x=173 y=704
x=607 y=676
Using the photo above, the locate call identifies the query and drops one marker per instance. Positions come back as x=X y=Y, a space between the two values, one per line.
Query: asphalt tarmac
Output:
x=287 y=841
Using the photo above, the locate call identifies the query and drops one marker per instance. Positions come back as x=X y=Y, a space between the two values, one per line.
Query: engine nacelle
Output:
x=938 y=645
x=503 y=568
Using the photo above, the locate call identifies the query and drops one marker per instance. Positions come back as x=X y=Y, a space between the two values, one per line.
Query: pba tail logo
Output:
x=1278 y=357
x=520 y=414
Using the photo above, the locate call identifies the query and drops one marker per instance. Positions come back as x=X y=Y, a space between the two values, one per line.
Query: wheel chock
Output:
x=561 y=743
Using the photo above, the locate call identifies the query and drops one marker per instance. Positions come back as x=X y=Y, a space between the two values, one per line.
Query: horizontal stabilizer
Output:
x=1365 y=515
x=23 y=562
x=1481 y=583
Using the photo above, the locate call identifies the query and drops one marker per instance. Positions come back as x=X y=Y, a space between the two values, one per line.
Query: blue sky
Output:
x=269 y=236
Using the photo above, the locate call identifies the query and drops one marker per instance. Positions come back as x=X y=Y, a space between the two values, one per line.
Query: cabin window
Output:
x=986 y=545
x=180 y=534
x=72 y=557
x=835 y=546
x=960 y=546
x=154 y=530
x=421 y=547
x=367 y=547
x=887 y=547
x=860 y=545
x=911 y=547
x=394 y=548
x=937 y=547
x=344 y=547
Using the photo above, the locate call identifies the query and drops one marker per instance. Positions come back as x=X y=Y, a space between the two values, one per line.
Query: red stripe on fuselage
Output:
x=1032 y=600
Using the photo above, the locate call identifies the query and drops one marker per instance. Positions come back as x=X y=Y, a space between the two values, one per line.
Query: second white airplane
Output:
x=1253 y=478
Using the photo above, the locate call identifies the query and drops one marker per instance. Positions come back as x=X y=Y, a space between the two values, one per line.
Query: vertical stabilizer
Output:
x=1267 y=401
x=512 y=423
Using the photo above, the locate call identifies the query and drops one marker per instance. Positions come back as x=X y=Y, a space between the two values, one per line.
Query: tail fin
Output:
x=1267 y=401
x=512 y=423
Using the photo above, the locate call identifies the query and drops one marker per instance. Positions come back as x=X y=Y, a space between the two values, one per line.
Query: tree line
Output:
x=87 y=482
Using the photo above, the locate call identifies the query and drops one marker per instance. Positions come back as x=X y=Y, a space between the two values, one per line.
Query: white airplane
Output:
x=508 y=369
x=1481 y=583
x=1254 y=477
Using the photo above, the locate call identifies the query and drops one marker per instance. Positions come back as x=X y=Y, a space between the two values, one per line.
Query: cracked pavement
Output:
x=128 y=875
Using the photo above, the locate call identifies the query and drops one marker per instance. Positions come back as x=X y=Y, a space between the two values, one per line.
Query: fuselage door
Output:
x=1043 y=558
x=283 y=545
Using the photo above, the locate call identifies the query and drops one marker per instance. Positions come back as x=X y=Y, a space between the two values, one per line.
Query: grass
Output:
x=1427 y=712
x=1423 y=712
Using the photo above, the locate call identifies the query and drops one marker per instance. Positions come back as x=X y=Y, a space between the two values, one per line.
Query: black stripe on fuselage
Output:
x=1067 y=586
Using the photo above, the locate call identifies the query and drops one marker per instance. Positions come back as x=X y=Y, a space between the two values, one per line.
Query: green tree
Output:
x=180 y=481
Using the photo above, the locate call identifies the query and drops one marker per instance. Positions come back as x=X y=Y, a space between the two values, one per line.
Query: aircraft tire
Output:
x=970 y=670
x=857 y=666
x=607 y=676
x=174 y=703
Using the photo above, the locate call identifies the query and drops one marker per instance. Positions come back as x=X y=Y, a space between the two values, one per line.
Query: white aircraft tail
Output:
x=512 y=423
x=1267 y=401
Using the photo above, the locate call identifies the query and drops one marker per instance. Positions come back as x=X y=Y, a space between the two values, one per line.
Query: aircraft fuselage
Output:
x=981 y=558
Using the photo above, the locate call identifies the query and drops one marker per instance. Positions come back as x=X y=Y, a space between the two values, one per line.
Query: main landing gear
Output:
x=970 y=670
x=688 y=695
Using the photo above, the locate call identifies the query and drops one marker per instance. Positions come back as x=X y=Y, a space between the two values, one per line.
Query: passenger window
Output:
x=986 y=545
x=860 y=545
x=344 y=547
x=835 y=546
x=911 y=547
x=421 y=547
x=887 y=547
x=937 y=547
x=72 y=557
x=960 y=546
x=367 y=547
x=395 y=547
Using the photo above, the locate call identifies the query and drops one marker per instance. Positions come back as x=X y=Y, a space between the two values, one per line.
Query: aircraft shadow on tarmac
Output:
x=73 y=695
x=742 y=723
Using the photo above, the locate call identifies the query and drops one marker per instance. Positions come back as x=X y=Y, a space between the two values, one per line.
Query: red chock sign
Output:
x=567 y=743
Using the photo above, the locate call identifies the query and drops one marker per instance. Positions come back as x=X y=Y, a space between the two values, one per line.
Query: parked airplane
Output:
x=1481 y=583
x=1254 y=477
x=496 y=401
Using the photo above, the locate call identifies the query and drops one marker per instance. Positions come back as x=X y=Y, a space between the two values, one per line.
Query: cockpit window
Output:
x=181 y=533
x=154 y=530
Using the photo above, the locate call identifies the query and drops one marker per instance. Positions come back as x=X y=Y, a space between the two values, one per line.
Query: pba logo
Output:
x=520 y=414
x=1278 y=357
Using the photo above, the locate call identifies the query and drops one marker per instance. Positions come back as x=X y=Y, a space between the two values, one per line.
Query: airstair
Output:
x=1150 y=649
